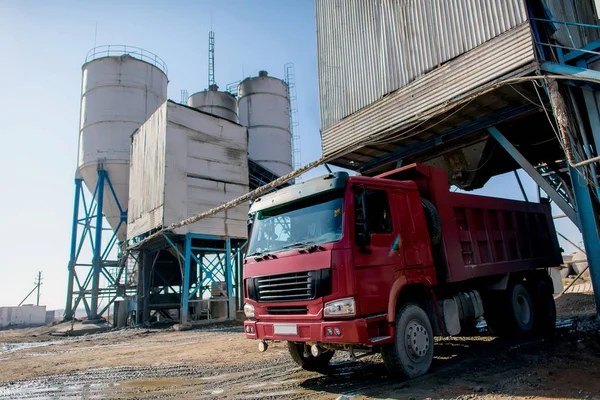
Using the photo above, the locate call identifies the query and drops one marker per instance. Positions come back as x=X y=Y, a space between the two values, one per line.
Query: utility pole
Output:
x=38 y=284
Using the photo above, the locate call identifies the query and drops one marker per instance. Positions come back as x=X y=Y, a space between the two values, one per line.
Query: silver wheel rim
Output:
x=522 y=310
x=416 y=340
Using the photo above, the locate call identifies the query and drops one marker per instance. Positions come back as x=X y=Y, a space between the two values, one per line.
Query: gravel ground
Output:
x=218 y=362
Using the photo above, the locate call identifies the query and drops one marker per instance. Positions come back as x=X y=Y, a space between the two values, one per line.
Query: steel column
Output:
x=587 y=215
x=229 y=277
x=185 y=288
x=97 y=257
x=533 y=173
x=588 y=226
x=68 y=315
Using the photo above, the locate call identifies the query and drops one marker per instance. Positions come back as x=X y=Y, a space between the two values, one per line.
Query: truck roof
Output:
x=312 y=187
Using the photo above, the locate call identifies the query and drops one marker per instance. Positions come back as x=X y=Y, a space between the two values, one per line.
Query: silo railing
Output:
x=117 y=50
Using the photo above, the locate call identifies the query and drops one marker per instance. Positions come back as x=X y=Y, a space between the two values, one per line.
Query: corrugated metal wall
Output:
x=498 y=57
x=369 y=48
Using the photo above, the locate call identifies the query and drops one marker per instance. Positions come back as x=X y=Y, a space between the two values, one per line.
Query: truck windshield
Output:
x=315 y=220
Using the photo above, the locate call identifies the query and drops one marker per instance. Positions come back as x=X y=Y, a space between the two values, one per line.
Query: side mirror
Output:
x=250 y=224
x=362 y=236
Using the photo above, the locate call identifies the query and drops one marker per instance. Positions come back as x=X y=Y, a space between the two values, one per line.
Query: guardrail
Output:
x=116 y=50
x=566 y=25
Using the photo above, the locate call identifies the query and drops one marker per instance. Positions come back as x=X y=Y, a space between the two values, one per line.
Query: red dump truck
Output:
x=384 y=264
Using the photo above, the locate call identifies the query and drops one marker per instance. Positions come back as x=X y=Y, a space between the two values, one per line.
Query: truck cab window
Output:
x=379 y=219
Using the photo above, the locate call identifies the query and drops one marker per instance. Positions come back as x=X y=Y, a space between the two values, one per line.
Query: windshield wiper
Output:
x=256 y=253
x=297 y=244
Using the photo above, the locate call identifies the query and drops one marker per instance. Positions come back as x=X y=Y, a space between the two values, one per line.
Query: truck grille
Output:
x=295 y=286
x=291 y=310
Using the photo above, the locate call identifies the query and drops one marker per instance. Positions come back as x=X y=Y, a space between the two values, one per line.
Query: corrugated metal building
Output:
x=367 y=49
x=382 y=63
x=184 y=162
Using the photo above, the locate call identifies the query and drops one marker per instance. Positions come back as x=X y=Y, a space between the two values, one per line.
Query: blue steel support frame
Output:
x=185 y=290
x=87 y=288
x=584 y=201
x=214 y=262
x=72 y=253
x=588 y=225
x=588 y=222
x=97 y=257
x=229 y=277
x=533 y=173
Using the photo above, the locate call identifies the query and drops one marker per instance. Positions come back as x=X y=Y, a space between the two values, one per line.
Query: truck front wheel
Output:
x=412 y=352
x=307 y=361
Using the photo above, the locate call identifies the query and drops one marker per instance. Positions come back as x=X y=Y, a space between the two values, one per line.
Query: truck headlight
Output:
x=342 y=307
x=249 y=310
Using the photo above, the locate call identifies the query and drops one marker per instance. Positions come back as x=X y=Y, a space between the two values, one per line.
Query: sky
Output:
x=43 y=45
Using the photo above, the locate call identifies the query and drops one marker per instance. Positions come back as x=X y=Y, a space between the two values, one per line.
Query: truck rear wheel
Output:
x=510 y=312
x=521 y=307
x=412 y=352
x=310 y=363
x=543 y=304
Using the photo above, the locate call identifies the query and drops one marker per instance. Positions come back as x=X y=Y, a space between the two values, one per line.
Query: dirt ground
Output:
x=218 y=362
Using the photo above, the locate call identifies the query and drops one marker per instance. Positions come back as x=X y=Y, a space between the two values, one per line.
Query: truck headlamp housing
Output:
x=249 y=310
x=340 y=308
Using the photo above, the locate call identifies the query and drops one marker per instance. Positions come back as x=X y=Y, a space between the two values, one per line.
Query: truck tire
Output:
x=521 y=314
x=412 y=352
x=541 y=291
x=510 y=312
x=434 y=222
x=494 y=311
x=310 y=363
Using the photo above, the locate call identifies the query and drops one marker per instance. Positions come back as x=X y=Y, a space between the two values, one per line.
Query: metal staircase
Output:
x=556 y=181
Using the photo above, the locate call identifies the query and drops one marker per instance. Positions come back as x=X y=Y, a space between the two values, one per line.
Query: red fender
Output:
x=416 y=277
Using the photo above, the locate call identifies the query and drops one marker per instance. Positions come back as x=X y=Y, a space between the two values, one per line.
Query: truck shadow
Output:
x=461 y=366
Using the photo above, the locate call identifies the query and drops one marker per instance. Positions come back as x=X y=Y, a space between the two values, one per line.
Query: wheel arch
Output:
x=419 y=293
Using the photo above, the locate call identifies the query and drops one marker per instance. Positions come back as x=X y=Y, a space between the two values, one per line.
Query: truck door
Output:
x=375 y=263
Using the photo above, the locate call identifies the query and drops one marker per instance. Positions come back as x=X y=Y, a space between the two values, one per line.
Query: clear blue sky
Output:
x=43 y=45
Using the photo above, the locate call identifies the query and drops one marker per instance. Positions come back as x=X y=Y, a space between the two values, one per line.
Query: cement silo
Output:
x=264 y=105
x=121 y=87
x=214 y=102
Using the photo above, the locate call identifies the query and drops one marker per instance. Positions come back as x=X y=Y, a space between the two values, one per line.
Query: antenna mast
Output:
x=211 y=58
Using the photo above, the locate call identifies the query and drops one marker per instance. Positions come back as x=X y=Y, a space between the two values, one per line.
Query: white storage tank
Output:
x=121 y=87
x=185 y=162
x=264 y=105
x=211 y=101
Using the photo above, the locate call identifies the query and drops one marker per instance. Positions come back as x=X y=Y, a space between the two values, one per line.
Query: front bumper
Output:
x=355 y=331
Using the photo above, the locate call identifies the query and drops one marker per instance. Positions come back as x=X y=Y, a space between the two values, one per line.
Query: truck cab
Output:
x=349 y=263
